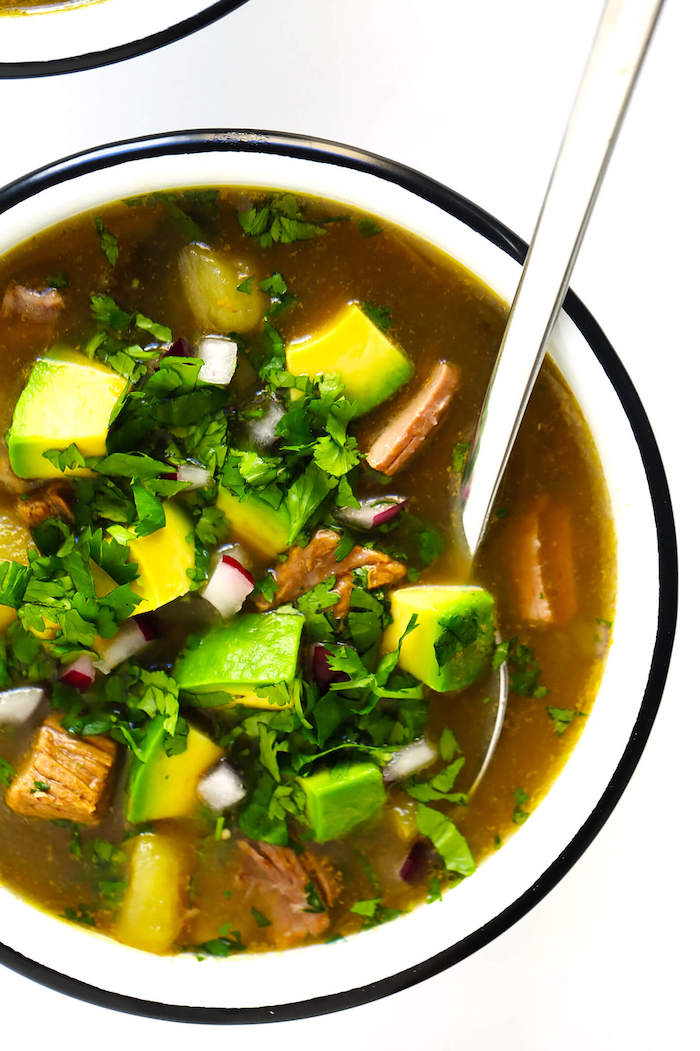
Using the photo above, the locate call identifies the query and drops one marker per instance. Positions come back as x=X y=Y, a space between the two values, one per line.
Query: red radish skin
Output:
x=133 y=636
x=415 y=864
x=179 y=349
x=321 y=671
x=80 y=674
x=228 y=586
x=372 y=512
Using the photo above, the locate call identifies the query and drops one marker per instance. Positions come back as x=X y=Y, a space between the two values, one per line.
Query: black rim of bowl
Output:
x=422 y=186
x=108 y=56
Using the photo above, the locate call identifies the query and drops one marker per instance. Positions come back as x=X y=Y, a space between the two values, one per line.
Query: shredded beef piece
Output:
x=282 y=877
x=63 y=776
x=49 y=500
x=540 y=551
x=306 y=567
x=20 y=303
x=415 y=422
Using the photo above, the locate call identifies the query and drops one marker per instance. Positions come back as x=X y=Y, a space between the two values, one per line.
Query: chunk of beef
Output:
x=280 y=878
x=415 y=422
x=49 y=500
x=20 y=303
x=540 y=552
x=306 y=567
x=63 y=776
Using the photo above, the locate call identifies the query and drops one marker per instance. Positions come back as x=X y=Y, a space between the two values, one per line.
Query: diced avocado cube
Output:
x=352 y=347
x=252 y=651
x=342 y=797
x=67 y=399
x=452 y=644
x=163 y=786
x=163 y=559
x=256 y=523
x=155 y=901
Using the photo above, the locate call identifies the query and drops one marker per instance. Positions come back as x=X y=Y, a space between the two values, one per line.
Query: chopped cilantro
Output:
x=108 y=242
x=368 y=227
x=434 y=890
x=448 y=746
x=58 y=280
x=39 y=786
x=447 y=840
x=7 y=772
x=246 y=286
x=260 y=918
x=563 y=718
x=224 y=946
x=314 y=902
x=80 y=914
x=278 y=220
x=520 y=815
x=460 y=452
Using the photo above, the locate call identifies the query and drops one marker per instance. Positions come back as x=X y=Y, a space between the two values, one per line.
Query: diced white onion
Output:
x=262 y=431
x=228 y=586
x=409 y=760
x=19 y=704
x=221 y=787
x=196 y=477
x=218 y=354
x=131 y=638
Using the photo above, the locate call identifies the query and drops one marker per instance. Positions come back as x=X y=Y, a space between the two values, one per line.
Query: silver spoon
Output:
x=611 y=71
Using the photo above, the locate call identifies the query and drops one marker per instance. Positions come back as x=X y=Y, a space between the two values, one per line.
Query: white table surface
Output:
x=475 y=93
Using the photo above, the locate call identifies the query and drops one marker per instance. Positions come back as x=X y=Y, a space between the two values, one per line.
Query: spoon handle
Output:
x=611 y=71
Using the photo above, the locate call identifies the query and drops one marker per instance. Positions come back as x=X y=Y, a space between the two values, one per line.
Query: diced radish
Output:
x=133 y=636
x=18 y=705
x=80 y=674
x=219 y=355
x=228 y=586
x=197 y=477
x=320 y=670
x=409 y=760
x=238 y=552
x=262 y=430
x=221 y=787
x=415 y=864
x=372 y=512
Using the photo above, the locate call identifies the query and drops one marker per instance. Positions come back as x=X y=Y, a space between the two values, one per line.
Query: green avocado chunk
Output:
x=342 y=797
x=162 y=786
x=255 y=522
x=252 y=651
x=371 y=367
x=452 y=644
x=67 y=399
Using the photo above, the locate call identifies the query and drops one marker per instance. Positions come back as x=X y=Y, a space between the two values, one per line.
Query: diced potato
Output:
x=155 y=901
x=211 y=283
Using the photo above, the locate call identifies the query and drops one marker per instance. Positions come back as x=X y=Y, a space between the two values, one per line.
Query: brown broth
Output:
x=439 y=310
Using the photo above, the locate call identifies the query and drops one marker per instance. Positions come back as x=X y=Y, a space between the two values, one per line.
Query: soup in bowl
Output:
x=247 y=669
x=43 y=37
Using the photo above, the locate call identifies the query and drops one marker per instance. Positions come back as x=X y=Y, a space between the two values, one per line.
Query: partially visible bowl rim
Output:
x=309 y=148
x=107 y=57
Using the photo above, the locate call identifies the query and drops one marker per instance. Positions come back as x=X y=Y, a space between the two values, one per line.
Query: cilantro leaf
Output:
x=563 y=718
x=447 y=840
x=368 y=227
x=108 y=242
x=161 y=332
x=7 y=772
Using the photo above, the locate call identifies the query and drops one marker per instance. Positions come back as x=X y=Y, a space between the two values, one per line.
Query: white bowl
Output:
x=320 y=978
x=82 y=35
